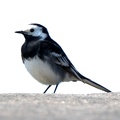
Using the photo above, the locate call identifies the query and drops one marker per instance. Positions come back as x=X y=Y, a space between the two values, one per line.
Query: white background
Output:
x=87 y=30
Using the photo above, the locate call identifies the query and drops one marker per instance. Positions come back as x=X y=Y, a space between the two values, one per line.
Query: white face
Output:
x=36 y=32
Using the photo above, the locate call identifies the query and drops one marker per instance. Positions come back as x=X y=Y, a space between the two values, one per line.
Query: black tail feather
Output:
x=94 y=84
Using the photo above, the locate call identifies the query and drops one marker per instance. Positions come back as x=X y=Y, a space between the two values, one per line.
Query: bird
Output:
x=46 y=61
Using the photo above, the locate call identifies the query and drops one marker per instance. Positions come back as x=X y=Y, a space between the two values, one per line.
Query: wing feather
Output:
x=52 y=49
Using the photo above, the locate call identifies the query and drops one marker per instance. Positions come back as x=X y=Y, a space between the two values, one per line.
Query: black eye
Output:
x=31 y=30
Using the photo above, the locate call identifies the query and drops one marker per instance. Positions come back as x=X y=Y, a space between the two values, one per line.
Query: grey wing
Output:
x=63 y=61
x=53 y=50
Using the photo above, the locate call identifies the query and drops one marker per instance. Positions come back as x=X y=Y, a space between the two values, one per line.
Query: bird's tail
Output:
x=94 y=84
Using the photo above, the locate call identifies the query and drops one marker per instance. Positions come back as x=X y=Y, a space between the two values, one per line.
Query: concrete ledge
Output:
x=60 y=106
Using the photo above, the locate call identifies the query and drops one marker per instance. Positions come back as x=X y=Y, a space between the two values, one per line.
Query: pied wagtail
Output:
x=45 y=60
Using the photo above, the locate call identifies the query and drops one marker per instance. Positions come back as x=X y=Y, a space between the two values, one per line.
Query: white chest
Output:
x=41 y=71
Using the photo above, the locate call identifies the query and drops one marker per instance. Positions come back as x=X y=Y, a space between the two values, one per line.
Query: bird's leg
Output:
x=47 y=88
x=56 y=87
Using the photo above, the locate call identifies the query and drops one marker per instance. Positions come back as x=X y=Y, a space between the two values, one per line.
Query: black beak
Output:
x=21 y=32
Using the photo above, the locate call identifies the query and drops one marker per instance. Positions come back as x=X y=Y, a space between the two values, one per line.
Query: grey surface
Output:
x=60 y=107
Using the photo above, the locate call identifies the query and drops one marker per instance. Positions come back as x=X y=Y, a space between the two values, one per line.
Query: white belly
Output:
x=41 y=71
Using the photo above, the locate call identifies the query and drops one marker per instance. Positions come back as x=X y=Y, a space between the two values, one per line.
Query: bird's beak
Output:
x=21 y=32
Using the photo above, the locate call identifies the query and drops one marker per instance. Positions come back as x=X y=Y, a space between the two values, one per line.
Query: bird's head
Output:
x=36 y=31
